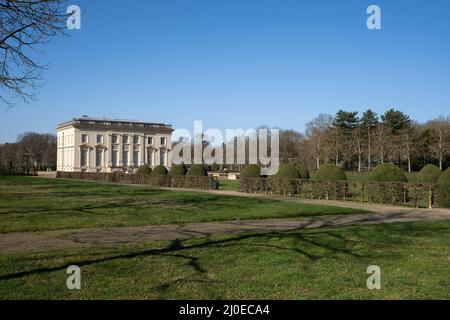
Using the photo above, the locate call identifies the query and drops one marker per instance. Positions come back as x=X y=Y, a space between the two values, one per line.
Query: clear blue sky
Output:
x=242 y=63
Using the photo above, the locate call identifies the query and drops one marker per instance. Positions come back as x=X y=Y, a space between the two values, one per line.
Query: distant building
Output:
x=104 y=145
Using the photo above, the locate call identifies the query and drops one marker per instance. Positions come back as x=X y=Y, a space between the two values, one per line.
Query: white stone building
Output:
x=104 y=145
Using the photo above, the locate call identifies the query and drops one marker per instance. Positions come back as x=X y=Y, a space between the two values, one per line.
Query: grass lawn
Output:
x=229 y=185
x=304 y=264
x=39 y=204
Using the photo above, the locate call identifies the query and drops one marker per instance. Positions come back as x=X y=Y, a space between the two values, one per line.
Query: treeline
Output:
x=360 y=142
x=31 y=151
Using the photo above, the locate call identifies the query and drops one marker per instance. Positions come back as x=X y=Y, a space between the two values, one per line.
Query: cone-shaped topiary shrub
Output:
x=444 y=189
x=287 y=170
x=304 y=174
x=144 y=170
x=330 y=172
x=387 y=172
x=251 y=171
x=429 y=174
x=197 y=170
x=159 y=171
x=178 y=170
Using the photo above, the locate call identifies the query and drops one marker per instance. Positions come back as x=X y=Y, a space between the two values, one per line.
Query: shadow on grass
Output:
x=306 y=243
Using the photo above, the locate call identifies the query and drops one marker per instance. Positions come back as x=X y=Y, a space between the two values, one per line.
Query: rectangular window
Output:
x=84 y=138
x=114 y=138
x=136 y=158
x=99 y=158
x=125 y=138
x=163 y=141
x=99 y=138
x=149 y=140
x=125 y=157
x=162 y=158
x=84 y=157
x=135 y=139
x=114 y=161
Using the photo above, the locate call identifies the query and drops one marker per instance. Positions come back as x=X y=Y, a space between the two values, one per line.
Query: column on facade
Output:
x=109 y=148
x=120 y=151
x=131 y=150
x=142 y=150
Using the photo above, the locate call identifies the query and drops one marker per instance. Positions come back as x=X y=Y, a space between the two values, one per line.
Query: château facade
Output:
x=105 y=145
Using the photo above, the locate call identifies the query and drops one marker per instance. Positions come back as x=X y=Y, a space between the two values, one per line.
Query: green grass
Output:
x=39 y=204
x=229 y=185
x=326 y=263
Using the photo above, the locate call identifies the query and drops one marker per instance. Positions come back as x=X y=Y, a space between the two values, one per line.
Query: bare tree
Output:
x=24 y=26
x=317 y=131
x=440 y=144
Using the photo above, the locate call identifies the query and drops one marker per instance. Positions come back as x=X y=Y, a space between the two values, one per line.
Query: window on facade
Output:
x=114 y=138
x=136 y=158
x=162 y=158
x=84 y=138
x=163 y=141
x=84 y=157
x=125 y=138
x=114 y=161
x=135 y=139
x=149 y=140
x=125 y=157
x=99 y=158
x=99 y=138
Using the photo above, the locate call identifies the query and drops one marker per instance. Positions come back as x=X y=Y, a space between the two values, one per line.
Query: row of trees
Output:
x=359 y=143
x=32 y=151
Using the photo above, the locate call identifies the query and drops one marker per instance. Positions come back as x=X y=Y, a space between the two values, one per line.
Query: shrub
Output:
x=330 y=172
x=389 y=188
x=444 y=189
x=159 y=171
x=178 y=170
x=304 y=174
x=251 y=171
x=429 y=174
x=144 y=170
x=287 y=170
x=387 y=173
x=197 y=170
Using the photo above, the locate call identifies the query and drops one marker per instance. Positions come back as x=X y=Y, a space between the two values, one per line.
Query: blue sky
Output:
x=241 y=63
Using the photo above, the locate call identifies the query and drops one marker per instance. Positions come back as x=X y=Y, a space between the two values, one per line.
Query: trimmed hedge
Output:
x=144 y=170
x=330 y=172
x=251 y=170
x=387 y=172
x=144 y=179
x=159 y=171
x=197 y=170
x=178 y=170
x=412 y=194
x=429 y=174
x=444 y=189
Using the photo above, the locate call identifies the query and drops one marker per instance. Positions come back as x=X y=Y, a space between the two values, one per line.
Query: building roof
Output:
x=87 y=121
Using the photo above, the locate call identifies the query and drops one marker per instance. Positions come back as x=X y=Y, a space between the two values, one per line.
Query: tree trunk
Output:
x=369 y=157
